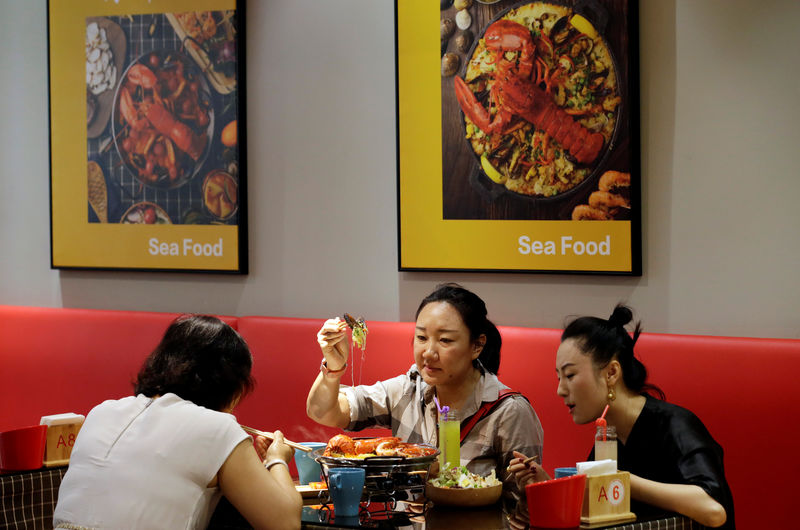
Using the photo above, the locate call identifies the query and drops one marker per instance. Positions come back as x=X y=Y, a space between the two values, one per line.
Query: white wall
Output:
x=720 y=116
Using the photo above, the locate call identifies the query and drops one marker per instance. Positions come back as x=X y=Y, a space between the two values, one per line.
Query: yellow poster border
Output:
x=75 y=242
x=427 y=241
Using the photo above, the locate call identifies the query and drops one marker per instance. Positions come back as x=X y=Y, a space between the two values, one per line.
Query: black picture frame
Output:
x=155 y=178
x=451 y=215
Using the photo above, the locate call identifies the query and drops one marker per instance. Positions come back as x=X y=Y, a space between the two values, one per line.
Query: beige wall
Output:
x=720 y=85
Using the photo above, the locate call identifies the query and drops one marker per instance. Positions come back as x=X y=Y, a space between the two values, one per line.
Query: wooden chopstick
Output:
x=271 y=436
x=528 y=460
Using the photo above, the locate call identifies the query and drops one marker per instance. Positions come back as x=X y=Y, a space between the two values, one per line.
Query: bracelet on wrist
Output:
x=325 y=370
x=269 y=463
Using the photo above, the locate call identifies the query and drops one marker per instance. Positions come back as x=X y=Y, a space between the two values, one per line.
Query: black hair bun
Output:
x=621 y=316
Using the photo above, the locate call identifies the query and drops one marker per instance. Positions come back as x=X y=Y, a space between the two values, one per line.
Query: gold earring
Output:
x=612 y=394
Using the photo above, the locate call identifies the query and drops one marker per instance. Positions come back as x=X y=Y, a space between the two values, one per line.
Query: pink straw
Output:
x=602 y=421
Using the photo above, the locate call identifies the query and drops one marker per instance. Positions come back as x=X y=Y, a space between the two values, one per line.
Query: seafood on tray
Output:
x=540 y=99
x=342 y=446
x=163 y=119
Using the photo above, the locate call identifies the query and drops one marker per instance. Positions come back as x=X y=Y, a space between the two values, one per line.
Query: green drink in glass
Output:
x=449 y=440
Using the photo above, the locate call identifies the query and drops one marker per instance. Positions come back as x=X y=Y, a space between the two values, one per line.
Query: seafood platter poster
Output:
x=518 y=136
x=147 y=151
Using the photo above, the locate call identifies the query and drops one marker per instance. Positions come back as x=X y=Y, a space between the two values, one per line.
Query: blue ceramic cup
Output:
x=566 y=471
x=345 y=486
x=307 y=468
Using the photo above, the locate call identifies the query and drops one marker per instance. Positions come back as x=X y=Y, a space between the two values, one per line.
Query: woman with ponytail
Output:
x=456 y=359
x=675 y=464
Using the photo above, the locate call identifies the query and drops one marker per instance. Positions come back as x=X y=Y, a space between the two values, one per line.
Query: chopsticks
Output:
x=528 y=460
x=271 y=436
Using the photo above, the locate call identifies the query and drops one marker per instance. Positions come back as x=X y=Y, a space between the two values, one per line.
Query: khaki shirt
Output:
x=405 y=405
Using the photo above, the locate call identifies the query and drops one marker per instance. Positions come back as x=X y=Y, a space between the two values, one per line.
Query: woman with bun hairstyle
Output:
x=675 y=464
x=456 y=358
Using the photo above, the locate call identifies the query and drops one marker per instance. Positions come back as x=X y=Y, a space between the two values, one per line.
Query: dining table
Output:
x=318 y=514
x=28 y=498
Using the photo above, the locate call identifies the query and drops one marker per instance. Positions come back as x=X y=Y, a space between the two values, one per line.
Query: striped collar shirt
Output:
x=405 y=405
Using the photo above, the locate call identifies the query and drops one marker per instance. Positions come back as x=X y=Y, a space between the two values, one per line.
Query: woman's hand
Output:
x=332 y=340
x=325 y=404
x=261 y=443
x=687 y=499
x=526 y=471
x=267 y=499
x=278 y=448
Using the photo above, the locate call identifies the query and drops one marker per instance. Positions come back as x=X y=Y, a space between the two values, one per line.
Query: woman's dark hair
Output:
x=473 y=312
x=201 y=359
x=604 y=340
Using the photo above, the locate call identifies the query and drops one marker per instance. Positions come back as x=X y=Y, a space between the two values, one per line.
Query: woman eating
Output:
x=163 y=457
x=675 y=464
x=456 y=359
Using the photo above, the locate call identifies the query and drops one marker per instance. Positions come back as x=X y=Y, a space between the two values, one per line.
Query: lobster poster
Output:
x=518 y=136
x=147 y=129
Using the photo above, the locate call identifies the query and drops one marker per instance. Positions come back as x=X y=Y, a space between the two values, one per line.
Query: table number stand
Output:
x=607 y=500
x=62 y=430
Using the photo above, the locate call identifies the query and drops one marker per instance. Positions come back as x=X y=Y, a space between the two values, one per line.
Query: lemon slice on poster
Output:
x=490 y=170
x=583 y=25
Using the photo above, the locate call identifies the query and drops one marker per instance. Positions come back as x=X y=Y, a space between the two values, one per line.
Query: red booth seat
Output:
x=68 y=360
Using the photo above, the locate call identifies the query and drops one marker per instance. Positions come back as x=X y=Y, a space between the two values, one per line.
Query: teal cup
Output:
x=308 y=469
x=345 y=486
x=566 y=471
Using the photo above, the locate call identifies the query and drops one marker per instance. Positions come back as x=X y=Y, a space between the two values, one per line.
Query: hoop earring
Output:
x=612 y=394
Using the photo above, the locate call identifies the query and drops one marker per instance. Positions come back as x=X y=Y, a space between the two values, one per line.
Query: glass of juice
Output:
x=605 y=443
x=450 y=440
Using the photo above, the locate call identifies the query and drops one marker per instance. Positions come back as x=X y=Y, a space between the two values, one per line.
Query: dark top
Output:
x=670 y=444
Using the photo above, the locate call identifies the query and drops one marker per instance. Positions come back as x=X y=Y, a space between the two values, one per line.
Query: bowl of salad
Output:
x=457 y=486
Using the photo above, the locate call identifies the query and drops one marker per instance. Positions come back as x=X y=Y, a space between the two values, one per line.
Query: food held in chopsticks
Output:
x=342 y=446
x=359 y=328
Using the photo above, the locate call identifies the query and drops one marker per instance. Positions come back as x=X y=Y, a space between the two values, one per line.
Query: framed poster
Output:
x=515 y=129
x=147 y=150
